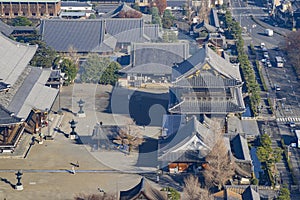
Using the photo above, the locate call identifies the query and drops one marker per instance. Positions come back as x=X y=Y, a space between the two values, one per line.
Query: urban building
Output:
x=29 y=8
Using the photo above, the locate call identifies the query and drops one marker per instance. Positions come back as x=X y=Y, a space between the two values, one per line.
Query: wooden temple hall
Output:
x=11 y=129
x=29 y=8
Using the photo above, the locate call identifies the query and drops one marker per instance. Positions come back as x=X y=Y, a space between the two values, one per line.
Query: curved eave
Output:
x=9 y=124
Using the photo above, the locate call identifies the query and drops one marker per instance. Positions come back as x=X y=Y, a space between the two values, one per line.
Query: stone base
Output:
x=41 y=142
x=73 y=137
x=80 y=114
x=19 y=187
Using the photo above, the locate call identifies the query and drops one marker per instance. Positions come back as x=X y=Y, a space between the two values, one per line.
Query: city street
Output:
x=286 y=100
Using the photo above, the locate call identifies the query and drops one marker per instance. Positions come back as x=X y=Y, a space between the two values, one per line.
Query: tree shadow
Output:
x=8 y=182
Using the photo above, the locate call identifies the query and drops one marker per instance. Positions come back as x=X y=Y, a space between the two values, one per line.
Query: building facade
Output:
x=206 y=83
x=29 y=8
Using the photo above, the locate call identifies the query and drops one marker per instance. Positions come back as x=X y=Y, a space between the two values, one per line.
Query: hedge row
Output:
x=247 y=69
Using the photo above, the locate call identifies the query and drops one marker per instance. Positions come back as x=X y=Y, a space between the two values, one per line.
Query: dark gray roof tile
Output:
x=156 y=58
x=201 y=57
x=5 y=29
x=84 y=36
x=170 y=149
x=7 y=117
x=208 y=107
x=145 y=189
x=240 y=148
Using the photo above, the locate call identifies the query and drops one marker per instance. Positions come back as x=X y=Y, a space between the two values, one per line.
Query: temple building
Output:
x=143 y=190
x=103 y=36
x=206 y=83
x=29 y=8
x=186 y=146
x=11 y=129
x=152 y=62
x=24 y=96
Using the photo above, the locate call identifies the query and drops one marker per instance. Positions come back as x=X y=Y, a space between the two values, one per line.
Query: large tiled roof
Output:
x=92 y=35
x=83 y=35
x=75 y=4
x=190 y=138
x=206 y=80
x=33 y=93
x=240 y=148
x=126 y=30
x=189 y=100
x=14 y=58
x=7 y=117
x=124 y=7
x=156 y=58
x=145 y=189
x=205 y=26
x=177 y=3
x=172 y=123
x=30 y=1
x=5 y=29
x=105 y=8
x=250 y=194
x=152 y=31
x=208 y=107
x=206 y=56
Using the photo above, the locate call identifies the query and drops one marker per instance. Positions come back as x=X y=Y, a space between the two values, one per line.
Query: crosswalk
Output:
x=288 y=119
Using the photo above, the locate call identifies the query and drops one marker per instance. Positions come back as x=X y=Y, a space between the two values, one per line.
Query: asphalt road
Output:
x=287 y=99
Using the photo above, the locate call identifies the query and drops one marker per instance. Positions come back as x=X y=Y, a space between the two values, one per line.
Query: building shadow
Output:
x=148 y=153
x=145 y=108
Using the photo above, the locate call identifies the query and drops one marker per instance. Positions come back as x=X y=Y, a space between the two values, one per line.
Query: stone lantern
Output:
x=81 y=113
x=73 y=134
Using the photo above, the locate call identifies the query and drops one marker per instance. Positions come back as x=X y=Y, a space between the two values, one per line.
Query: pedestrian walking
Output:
x=77 y=164
x=73 y=170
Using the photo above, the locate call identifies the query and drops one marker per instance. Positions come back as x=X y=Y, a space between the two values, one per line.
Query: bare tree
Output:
x=220 y=168
x=73 y=54
x=193 y=191
x=292 y=42
x=203 y=11
x=129 y=135
x=105 y=196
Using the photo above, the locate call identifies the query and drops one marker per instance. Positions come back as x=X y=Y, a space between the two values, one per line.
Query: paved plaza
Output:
x=47 y=167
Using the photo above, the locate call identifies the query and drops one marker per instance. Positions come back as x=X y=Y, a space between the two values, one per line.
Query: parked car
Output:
x=292 y=124
x=276 y=87
x=266 y=55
